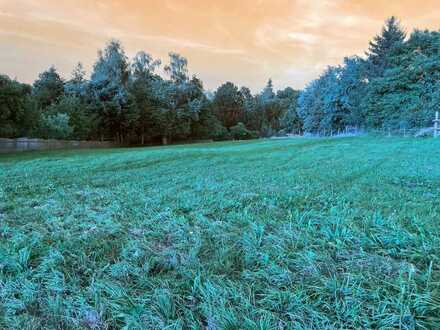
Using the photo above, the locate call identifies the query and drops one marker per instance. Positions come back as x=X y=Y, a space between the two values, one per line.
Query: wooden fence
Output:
x=26 y=144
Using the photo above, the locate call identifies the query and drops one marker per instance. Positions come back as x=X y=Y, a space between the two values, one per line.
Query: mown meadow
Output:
x=297 y=233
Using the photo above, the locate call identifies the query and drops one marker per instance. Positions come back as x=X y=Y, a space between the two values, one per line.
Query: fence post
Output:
x=436 y=122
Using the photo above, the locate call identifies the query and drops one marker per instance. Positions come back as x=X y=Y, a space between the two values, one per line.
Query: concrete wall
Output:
x=25 y=144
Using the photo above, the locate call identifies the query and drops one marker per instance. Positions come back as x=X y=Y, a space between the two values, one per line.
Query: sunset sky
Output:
x=243 y=41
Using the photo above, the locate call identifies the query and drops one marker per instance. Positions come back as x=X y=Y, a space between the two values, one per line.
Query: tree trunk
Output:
x=142 y=138
x=164 y=140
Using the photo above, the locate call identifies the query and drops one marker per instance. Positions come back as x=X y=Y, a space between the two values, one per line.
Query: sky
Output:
x=246 y=41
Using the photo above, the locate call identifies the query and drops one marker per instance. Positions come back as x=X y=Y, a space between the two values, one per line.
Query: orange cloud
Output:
x=244 y=41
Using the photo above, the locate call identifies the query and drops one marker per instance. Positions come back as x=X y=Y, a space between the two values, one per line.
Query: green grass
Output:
x=268 y=234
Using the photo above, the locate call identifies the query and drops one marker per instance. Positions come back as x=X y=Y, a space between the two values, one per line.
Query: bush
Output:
x=220 y=133
x=81 y=122
x=240 y=132
x=56 y=126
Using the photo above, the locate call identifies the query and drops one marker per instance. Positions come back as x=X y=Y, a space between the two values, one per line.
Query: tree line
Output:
x=395 y=85
x=126 y=101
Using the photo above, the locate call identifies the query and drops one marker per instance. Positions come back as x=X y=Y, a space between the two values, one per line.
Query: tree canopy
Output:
x=395 y=85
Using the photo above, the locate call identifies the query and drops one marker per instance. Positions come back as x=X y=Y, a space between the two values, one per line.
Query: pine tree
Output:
x=268 y=94
x=382 y=46
x=77 y=84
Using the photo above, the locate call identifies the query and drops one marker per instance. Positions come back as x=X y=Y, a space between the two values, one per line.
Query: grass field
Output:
x=268 y=234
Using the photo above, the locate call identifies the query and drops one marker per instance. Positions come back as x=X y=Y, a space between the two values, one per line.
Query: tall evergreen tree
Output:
x=382 y=46
x=77 y=85
x=408 y=94
x=269 y=110
x=267 y=95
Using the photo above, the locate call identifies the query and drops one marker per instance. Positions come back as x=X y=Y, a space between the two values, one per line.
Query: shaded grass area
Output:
x=267 y=234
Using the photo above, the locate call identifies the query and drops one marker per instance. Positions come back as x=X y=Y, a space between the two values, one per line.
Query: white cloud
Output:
x=306 y=38
x=184 y=43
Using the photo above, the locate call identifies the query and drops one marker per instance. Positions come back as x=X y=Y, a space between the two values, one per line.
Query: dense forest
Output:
x=128 y=102
x=395 y=85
